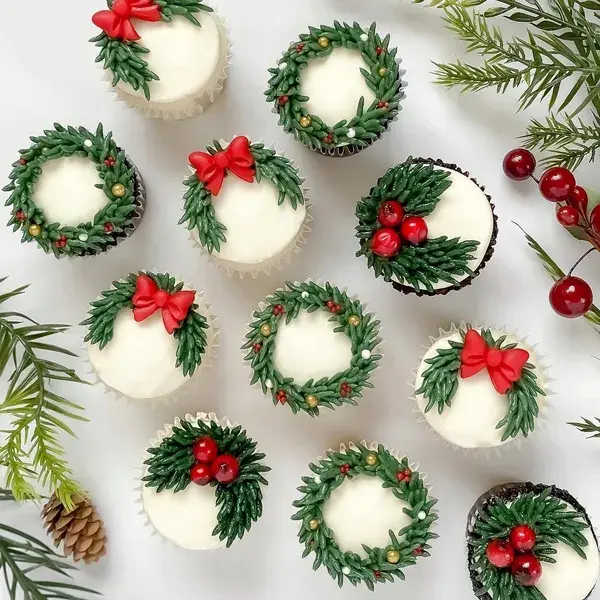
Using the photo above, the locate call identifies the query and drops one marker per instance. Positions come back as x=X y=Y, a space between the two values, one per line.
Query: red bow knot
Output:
x=504 y=366
x=211 y=168
x=116 y=22
x=148 y=298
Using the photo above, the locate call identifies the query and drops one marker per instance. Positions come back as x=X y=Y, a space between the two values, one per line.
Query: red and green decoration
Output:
x=120 y=52
x=393 y=233
x=146 y=293
x=117 y=178
x=349 y=319
x=203 y=452
x=381 y=74
x=405 y=547
x=509 y=372
x=514 y=534
x=249 y=162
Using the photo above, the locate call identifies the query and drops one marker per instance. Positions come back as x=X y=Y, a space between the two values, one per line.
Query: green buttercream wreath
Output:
x=418 y=185
x=380 y=565
x=116 y=178
x=191 y=335
x=198 y=209
x=350 y=319
x=440 y=384
x=381 y=74
x=240 y=501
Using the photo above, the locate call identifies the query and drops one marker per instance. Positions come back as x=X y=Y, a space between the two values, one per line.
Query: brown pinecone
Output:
x=81 y=531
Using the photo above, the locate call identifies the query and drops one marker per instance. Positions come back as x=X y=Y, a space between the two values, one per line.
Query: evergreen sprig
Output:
x=588 y=426
x=32 y=448
x=240 y=502
x=184 y=8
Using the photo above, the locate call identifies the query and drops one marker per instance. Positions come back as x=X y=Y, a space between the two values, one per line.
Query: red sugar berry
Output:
x=522 y=538
x=205 y=450
x=201 y=474
x=500 y=553
x=226 y=468
x=390 y=213
x=386 y=242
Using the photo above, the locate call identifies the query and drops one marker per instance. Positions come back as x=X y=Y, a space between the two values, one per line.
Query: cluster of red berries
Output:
x=570 y=296
x=345 y=390
x=396 y=227
x=281 y=397
x=404 y=475
x=108 y=227
x=345 y=469
x=20 y=216
x=257 y=348
x=278 y=310
x=333 y=307
x=223 y=468
x=516 y=554
x=61 y=242
x=110 y=162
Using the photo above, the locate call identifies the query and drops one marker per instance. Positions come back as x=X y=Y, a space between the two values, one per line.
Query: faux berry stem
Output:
x=580 y=259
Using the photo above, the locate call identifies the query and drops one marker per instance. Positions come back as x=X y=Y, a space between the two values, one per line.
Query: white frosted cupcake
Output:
x=480 y=387
x=202 y=482
x=245 y=206
x=149 y=335
x=312 y=346
x=167 y=59
x=531 y=542
x=366 y=514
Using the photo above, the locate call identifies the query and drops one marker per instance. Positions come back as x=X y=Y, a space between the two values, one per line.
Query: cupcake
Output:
x=74 y=192
x=366 y=515
x=245 y=206
x=337 y=89
x=480 y=387
x=166 y=58
x=531 y=542
x=202 y=482
x=311 y=346
x=148 y=335
x=426 y=227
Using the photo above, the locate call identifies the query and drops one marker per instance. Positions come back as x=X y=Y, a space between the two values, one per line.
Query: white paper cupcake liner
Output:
x=190 y=106
x=193 y=385
x=154 y=443
x=544 y=381
x=277 y=261
x=355 y=298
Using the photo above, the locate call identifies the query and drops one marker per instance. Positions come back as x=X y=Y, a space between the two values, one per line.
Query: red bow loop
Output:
x=148 y=298
x=116 y=22
x=211 y=169
x=504 y=366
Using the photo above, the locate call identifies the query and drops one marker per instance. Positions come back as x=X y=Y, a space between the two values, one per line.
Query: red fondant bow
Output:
x=211 y=169
x=148 y=298
x=116 y=22
x=504 y=366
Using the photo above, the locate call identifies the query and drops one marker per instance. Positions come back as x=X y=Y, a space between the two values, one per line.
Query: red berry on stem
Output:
x=571 y=297
x=579 y=199
x=595 y=220
x=500 y=553
x=390 y=213
x=526 y=569
x=226 y=468
x=414 y=230
x=557 y=184
x=205 y=450
x=519 y=164
x=522 y=538
x=201 y=474
x=386 y=242
x=567 y=216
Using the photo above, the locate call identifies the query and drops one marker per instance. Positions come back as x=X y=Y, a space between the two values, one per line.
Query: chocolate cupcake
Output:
x=427 y=227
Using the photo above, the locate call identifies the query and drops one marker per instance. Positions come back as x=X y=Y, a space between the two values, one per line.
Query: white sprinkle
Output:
x=366 y=354
x=282 y=66
x=422 y=515
x=317 y=479
x=351 y=133
x=83 y=237
x=305 y=295
x=364 y=37
x=268 y=384
x=88 y=143
x=346 y=571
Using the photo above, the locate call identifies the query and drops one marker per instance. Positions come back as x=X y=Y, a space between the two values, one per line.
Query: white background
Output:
x=48 y=75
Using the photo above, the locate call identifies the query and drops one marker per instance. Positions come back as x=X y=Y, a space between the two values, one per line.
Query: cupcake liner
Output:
x=542 y=370
x=355 y=297
x=406 y=289
x=509 y=492
x=192 y=386
x=154 y=443
x=192 y=105
x=277 y=262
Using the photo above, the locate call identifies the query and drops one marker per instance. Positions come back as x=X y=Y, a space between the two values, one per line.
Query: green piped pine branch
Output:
x=183 y=8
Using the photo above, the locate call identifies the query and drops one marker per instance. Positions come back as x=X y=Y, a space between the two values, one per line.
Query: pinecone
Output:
x=81 y=531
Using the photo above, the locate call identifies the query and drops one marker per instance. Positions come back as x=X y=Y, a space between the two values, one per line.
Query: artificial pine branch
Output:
x=587 y=426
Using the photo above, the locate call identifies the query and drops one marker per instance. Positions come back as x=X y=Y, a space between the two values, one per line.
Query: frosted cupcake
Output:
x=366 y=515
x=245 y=206
x=165 y=58
x=426 y=227
x=531 y=542
x=149 y=335
x=337 y=89
x=311 y=346
x=74 y=192
x=202 y=483
x=480 y=387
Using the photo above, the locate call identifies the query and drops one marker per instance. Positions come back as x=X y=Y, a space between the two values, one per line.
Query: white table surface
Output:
x=49 y=75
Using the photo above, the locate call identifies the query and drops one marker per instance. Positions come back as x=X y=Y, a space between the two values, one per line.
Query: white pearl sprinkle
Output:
x=83 y=237
x=88 y=143
x=282 y=66
x=422 y=515
x=364 y=37
x=305 y=295
x=366 y=354
x=268 y=384
x=351 y=133
x=346 y=571
x=317 y=479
